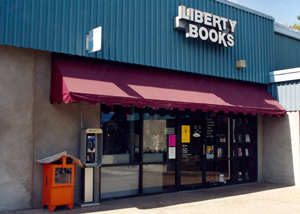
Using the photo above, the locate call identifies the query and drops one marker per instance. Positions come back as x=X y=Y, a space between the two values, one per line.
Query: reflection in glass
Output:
x=63 y=175
x=241 y=131
x=244 y=149
x=218 y=171
x=191 y=169
x=119 y=181
x=192 y=151
x=158 y=178
x=120 y=136
x=156 y=131
x=244 y=170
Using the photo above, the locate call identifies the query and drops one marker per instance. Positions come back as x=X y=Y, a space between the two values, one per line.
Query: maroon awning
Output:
x=117 y=83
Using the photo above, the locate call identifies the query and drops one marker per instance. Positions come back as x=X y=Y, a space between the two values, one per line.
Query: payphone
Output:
x=90 y=150
x=91 y=145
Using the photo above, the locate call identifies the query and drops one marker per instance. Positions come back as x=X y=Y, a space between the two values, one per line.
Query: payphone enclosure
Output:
x=91 y=147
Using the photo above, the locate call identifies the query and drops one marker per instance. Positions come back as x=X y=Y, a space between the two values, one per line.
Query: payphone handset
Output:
x=91 y=147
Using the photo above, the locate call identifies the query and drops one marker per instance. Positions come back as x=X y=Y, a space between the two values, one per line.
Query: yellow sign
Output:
x=185 y=134
x=95 y=130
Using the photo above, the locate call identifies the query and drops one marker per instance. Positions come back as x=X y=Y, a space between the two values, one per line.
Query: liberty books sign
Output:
x=205 y=26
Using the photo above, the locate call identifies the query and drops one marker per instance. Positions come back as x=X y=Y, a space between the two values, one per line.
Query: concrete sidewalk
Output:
x=251 y=198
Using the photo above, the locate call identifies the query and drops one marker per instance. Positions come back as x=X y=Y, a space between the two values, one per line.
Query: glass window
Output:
x=241 y=131
x=158 y=178
x=244 y=149
x=218 y=142
x=158 y=135
x=120 y=136
x=192 y=137
x=244 y=170
x=119 y=181
x=63 y=175
x=218 y=171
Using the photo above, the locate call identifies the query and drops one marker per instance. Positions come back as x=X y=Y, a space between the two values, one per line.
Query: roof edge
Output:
x=287 y=31
x=284 y=75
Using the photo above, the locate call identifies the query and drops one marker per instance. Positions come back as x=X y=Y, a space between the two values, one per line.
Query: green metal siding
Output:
x=141 y=32
x=287 y=52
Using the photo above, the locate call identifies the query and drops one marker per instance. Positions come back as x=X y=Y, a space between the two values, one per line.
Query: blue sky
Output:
x=284 y=11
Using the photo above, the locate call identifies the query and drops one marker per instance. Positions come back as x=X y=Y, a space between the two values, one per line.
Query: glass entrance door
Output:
x=217 y=158
x=191 y=161
x=205 y=151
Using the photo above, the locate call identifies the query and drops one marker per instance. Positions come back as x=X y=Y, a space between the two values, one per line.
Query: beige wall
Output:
x=16 y=127
x=281 y=149
x=295 y=133
x=260 y=149
x=295 y=144
x=32 y=128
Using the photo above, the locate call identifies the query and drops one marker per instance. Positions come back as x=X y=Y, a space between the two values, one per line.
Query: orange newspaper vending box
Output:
x=58 y=184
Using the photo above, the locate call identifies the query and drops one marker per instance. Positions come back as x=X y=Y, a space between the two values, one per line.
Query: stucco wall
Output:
x=16 y=128
x=56 y=127
x=32 y=128
x=281 y=149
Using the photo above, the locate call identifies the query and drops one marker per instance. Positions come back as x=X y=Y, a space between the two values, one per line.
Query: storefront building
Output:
x=179 y=89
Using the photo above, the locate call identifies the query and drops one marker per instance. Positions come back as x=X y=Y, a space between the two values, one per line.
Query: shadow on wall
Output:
x=278 y=164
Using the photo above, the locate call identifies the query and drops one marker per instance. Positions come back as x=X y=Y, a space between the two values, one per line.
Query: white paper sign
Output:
x=172 y=152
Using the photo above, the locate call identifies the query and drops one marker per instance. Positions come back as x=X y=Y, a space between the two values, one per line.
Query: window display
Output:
x=158 y=137
x=218 y=171
x=244 y=149
x=217 y=136
x=175 y=150
x=191 y=162
x=217 y=147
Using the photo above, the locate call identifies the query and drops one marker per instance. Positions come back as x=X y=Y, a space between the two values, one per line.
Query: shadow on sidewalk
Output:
x=168 y=199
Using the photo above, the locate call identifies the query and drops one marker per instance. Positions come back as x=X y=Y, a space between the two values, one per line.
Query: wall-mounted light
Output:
x=241 y=64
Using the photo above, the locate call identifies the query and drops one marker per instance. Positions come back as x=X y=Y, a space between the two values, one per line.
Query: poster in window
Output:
x=172 y=140
x=186 y=151
x=210 y=127
x=247 y=140
x=240 y=138
x=172 y=152
x=169 y=130
x=185 y=134
x=246 y=152
x=197 y=131
x=210 y=152
x=240 y=153
x=219 y=154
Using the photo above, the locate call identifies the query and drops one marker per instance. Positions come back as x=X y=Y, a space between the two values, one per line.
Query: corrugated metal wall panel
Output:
x=141 y=32
x=287 y=93
x=287 y=52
